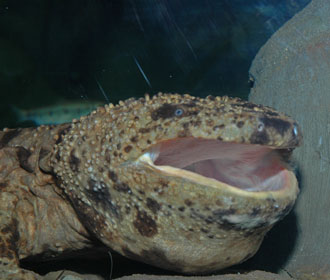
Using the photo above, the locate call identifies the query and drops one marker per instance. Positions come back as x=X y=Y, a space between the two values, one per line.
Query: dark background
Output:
x=58 y=51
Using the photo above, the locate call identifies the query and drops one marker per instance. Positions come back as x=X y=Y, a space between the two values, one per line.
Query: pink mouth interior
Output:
x=248 y=167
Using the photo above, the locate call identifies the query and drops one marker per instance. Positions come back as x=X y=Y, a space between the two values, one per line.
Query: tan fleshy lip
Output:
x=245 y=167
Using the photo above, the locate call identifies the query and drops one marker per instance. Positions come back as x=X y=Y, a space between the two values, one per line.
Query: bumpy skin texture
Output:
x=61 y=184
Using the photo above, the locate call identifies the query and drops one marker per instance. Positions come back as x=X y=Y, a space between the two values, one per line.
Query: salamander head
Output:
x=230 y=140
x=184 y=183
x=221 y=118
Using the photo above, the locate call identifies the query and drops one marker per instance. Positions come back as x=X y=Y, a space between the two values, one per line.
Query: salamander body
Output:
x=179 y=182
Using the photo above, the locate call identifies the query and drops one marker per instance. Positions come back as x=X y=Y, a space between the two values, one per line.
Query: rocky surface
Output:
x=291 y=73
x=255 y=275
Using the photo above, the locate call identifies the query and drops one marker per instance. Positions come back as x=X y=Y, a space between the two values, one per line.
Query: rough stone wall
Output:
x=292 y=74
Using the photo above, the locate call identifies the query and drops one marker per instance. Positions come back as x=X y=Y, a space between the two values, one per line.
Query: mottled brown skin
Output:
x=61 y=184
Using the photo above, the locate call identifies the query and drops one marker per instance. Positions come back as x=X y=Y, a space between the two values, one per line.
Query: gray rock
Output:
x=292 y=74
x=255 y=275
x=70 y=275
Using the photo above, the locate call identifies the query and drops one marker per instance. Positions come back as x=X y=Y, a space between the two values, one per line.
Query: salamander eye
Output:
x=178 y=112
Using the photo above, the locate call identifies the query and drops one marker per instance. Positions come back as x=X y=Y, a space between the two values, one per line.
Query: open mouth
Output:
x=248 y=167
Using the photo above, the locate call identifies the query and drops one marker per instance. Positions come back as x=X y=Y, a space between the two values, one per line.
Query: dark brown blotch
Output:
x=225 y=225
x=127 y=209
x=12 y=236
x=186 y=125
x=219 y=216
x=122 y=187
x=164 y=112
x=3 y=185
x=153 y=205
x=61 y=134
x=195 y=214
x=204 y=230
x=91 y=219
x=255 y=211
x=191 y=104
x=240 y=124
x=195 y=123
x=181 y=208
x=92 y=183
x=245 y=105
x=8 y=136
x=107 y=156
x=57 y=156
x=223 y=212
x=99 y=193
x=134 y=139
x=188 y=202
x=128 y=148
x=23 y=156
x=272 y=113
x=144 y=130
x=259 y=137
x=112 y=176
x=3 y=252
x=281 y=126
x=209 y=123
x=74 y=162
x=209 y=220
x=145 y=224
x=163 y=184
x=10 y=255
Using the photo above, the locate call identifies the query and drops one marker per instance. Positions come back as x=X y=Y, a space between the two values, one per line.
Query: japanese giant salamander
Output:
x=180 y=182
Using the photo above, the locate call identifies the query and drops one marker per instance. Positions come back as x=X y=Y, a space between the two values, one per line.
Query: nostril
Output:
x=260 y=127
